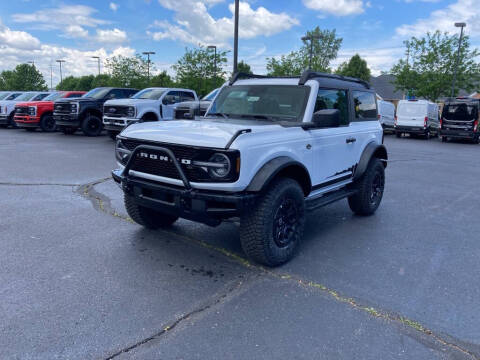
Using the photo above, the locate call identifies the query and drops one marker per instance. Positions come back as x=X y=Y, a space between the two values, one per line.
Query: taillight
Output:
x=440 y=122
x=425 y=121
x=475 y=125
x=395 y=122
x=379 y=116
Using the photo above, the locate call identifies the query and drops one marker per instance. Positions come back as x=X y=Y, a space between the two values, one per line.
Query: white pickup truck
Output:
x=151 y=104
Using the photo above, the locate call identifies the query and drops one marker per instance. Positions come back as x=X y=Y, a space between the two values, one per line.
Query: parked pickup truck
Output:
x=152 y=104
x=86 y=112
x=7 y=106
x=34 y=114
x=190 y=109
x=267 y=151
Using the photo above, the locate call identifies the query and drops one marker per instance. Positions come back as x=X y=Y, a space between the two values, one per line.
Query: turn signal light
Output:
x=425 y=122
x=395 y=122
x=475 y=125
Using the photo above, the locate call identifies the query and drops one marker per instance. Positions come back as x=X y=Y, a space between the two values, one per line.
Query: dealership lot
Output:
x=79 y=280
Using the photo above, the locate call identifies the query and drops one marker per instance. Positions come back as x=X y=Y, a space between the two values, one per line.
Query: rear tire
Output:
x=444 y=139
x=92 y=125
x=476 y=139
x=271 y=231
x=149 y=218
x=427 y=134
x=370 y=188
x=398 y=134
x=47 y=123
x=12 y=122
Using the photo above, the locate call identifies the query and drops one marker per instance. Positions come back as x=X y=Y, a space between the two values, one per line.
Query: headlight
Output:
x=131 y=111
x=32 y=110
x=121 y=152
x=73 y=108
x=220 y=166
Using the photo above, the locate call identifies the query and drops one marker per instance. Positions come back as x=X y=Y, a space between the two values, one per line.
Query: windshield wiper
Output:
x=226 y=116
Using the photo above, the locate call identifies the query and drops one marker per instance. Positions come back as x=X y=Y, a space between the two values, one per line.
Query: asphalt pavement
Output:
x=79 y=280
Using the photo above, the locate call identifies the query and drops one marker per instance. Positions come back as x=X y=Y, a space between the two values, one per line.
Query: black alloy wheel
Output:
x=48 y=124
x=285 y=222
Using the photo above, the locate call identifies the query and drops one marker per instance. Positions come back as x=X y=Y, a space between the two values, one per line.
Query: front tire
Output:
x=398 y=134
x=47 y=123
x=444 y=139
x=92 y=125
x=271 y=232
x=370 y=188
x=67 y=130
x=147 y=217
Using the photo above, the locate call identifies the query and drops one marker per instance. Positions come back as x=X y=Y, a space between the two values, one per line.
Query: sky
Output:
x=75 y=30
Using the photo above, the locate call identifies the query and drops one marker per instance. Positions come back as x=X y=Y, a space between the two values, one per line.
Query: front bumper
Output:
x=205 y=206
x=420 y=130
x=459 y=134
x=70 y=120
x=26 y=120
x=117 y=124
x=4 y=119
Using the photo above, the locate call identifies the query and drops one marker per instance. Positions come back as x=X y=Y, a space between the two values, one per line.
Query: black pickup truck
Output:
x=86 y=112
x=190 y=109
x=460 y=118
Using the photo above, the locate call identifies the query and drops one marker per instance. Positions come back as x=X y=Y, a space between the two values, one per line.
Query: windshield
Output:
x=26 y=96
x=211 y=95
x=152 y=94
x=54 y=96
x=262 y=102
x=13 y=96
x=3 y=96
x=411 y=109
x=98 y=93
x=459 y=112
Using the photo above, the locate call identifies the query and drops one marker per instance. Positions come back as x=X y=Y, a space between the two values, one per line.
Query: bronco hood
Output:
x=205 y=133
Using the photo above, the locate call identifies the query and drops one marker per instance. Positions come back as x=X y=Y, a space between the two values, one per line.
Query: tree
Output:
x=101 y=80
x=162 y=80
x=68 y=83
x=196 y=70
x=243 y=67
x=432 y=60
x=355 y=67
x=324 y=49
x=24 y=77
x=128 y=71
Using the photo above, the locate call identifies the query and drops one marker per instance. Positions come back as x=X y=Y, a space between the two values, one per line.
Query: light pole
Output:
x=460 y=25
x=311 y=38
x=235 y=38
x=214 y=64
x=51 y=76
x=60 y=63
x=148 y=53
x=98 y=60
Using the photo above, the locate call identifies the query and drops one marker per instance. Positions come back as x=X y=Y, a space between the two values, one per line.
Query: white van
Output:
x=386 y=114
x=417 y=117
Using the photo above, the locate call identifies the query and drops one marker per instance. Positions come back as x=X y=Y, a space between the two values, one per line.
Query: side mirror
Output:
x=326 y=118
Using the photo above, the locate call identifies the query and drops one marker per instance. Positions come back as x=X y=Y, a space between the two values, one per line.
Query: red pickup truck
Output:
x=30 y=115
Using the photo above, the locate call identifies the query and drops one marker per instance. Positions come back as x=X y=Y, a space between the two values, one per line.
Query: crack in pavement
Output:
x=216 y=301
x=102 y=203
x=36 y=184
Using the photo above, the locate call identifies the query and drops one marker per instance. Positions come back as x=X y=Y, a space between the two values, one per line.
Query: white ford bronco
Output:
x=151 y=104
x=267 y=151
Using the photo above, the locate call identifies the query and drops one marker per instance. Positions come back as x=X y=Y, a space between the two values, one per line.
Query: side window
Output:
x=333 y=99
x=39 y=97
x=73 y=95
x=172 y=97
x=129 y=92
x=187 y=96
x=115 y=94
x=365 y=105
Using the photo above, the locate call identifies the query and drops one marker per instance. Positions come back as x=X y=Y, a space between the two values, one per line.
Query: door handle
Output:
x=350 y=140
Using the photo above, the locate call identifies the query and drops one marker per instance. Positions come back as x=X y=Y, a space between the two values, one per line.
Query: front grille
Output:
x=63 y=108
x=167 y=168
x=115 y=111
x=21 y=110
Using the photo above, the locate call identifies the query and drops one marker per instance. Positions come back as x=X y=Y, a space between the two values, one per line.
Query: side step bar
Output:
x=328 y=198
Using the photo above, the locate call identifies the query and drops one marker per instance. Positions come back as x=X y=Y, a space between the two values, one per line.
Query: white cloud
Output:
x=378 y=60
x=337 y=7
x=114 y=6
x=444 y=19
x=75 y=31
x=17 y=39
x=111 y=36
x=194 y=25
x=64 y=18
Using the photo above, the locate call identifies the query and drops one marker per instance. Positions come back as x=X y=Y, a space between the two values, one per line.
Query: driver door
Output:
x=168 y=103
x=334 y=158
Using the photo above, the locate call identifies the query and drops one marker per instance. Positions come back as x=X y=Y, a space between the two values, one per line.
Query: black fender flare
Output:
x=371 y=150
x=274 y=167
